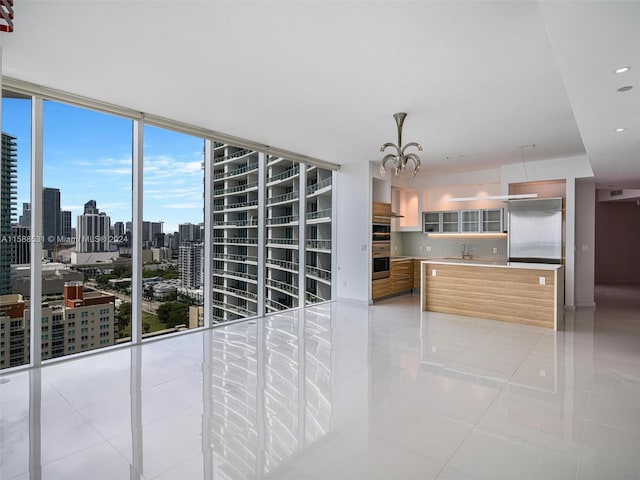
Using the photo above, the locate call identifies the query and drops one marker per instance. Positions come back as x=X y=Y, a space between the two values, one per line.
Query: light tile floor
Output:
x=341 y=391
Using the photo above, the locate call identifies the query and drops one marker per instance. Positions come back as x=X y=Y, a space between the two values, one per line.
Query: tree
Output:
x=173 y=313
x=124 y=316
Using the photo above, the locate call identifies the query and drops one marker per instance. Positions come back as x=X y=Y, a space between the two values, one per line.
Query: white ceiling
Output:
x=323 y=79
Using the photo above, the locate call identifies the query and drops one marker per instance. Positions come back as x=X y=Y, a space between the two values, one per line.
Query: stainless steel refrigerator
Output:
x=535 y=230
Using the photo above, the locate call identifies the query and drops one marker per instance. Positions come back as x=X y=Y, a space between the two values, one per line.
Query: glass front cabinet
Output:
x=488 y=220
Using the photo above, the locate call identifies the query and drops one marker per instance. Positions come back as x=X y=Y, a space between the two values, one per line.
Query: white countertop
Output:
x=491 y=263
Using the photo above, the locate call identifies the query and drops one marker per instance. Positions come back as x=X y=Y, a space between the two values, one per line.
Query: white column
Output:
x=262 y=238
x=136 y=234
x=35 y=309
x=208 y=233
x=570 y=243
x=302 y=234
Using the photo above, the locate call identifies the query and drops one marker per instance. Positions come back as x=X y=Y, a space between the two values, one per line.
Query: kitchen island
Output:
x=529 y=293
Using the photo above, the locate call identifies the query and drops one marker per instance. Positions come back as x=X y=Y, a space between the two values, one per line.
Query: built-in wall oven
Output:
x=380 y=260
x=380 y=257
x=380 y=247
x=381 y=232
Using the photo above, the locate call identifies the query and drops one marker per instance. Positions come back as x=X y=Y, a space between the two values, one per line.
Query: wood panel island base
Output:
x=529 y=293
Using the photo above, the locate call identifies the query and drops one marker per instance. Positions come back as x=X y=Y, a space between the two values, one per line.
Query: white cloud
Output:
x=187 y=205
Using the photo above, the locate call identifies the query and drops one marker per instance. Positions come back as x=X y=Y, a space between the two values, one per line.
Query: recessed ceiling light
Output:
x=622 y=69
x=626 y=88
x=619 y=129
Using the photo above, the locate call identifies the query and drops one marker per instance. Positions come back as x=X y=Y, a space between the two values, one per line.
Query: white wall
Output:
x=353 y=231
x=585 y=242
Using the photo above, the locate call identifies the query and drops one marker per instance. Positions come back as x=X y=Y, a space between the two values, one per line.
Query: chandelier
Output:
x=399 y=158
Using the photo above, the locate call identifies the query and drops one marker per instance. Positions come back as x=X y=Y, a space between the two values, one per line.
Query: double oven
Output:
x=380 y=247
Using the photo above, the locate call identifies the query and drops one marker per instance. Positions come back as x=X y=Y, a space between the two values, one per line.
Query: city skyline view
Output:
x=87 y=156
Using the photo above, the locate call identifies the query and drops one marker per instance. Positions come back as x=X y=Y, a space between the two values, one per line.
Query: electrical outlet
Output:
x=428 y=247
x=543 y=281
x=433 y=272
x=495 y=249
x=395 y=248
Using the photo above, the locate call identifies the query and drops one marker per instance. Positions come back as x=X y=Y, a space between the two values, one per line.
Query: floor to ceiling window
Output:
x=282 y=237
x=86 y=225
x=172 y=231
x=235 y=233
x=319 y=231
x=103 y=202
x=15 y=241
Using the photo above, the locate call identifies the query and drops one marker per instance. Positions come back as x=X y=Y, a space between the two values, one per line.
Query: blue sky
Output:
x=87 y=155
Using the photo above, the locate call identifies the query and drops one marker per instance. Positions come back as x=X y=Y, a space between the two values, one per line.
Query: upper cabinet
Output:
x=470 y=220
x=381 y=209
x=463 y=221
x=405 y=209
x=492 y=220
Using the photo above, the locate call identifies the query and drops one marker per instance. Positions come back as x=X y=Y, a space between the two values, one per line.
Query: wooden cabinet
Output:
x=401 y=279
x=416 y=273
x=381 y=209
x=380 y=288
x=401 y=275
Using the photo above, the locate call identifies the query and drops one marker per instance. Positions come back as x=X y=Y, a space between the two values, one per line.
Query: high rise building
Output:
x=21 y=253
x=93 y=230
x=50 y=217
x=7 y=209
x=189 y=232
x=282 y=260
x=91 y=208
x=190 y=265
x=82 y=321
x=235 y=232
x=25 y=219
x=172 y=240
x=118 y=230
x=65 y=225
x=149 y=230
x=158 y=240
x=318 y=232
x=298 y=213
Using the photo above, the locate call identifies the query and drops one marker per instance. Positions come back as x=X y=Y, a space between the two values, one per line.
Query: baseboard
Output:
x=353 y=301
x=585 y=304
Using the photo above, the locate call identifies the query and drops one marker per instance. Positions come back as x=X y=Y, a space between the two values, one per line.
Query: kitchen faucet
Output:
x=465 y=254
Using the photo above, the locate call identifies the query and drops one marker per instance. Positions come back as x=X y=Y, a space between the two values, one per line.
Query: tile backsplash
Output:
x=415 y=244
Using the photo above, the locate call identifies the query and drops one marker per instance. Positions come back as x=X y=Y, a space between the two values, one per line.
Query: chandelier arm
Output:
x=385 y=159
x=412 y=144
x=416 y=162
x=389 y=144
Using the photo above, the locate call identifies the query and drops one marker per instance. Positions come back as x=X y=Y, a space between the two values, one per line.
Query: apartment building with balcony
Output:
x=235 y=233
x=82 y=321
x=254 y=193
